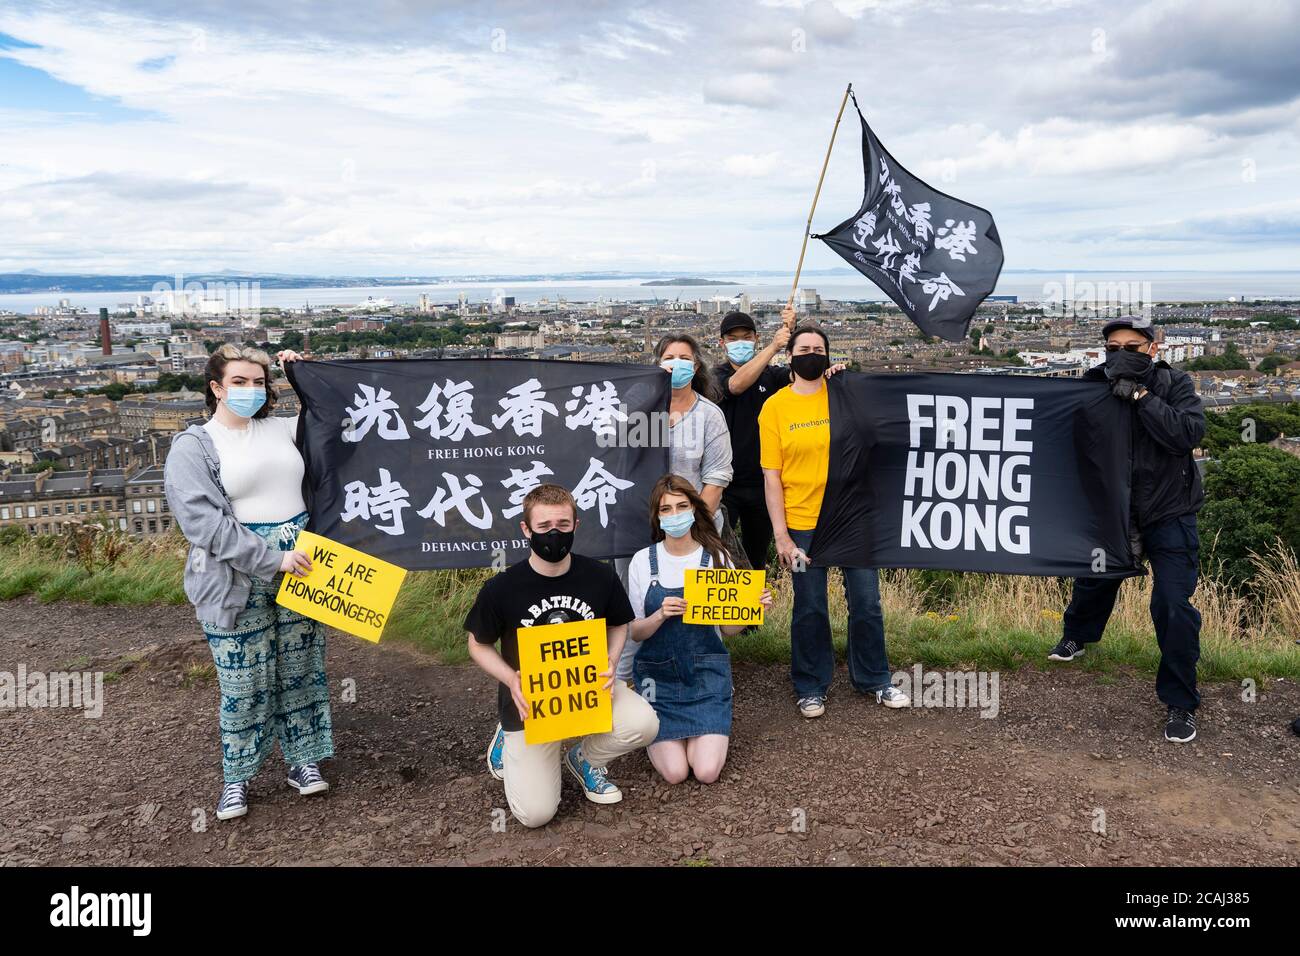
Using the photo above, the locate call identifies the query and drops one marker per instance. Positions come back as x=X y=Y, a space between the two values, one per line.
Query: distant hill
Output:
x=687 y=280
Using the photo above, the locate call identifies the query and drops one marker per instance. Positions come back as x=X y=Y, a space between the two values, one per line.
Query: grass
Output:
x=972 y=622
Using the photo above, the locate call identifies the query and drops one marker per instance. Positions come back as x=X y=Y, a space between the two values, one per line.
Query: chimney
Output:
x=104 y=337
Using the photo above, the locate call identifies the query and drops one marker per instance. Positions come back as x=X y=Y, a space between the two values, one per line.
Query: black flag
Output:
x=937 y=257
x=1009 y=474
x=425 y=463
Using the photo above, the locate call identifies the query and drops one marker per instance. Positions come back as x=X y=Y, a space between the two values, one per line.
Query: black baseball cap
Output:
x=736 y=320
x=1136 y=323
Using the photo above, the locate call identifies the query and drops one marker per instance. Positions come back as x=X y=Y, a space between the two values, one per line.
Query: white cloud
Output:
x=741 y=89
x=748 y=164
x=647 y=135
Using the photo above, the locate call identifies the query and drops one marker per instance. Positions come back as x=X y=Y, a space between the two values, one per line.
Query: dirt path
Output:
x=869 y=786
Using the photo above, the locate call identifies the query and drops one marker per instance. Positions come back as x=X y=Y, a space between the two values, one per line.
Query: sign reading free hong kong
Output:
x=425 y=463
x=559 y=670
x=1000 y=473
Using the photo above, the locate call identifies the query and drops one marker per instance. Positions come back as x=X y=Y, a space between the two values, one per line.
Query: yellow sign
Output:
x=724 y=596
x=560 y=667
x=345 y=588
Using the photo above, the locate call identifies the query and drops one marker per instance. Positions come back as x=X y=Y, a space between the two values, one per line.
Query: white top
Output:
x=672 y=574
x=261 y=468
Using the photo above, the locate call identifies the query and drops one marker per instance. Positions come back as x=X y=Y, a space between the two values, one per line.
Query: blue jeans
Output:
x=812 y=656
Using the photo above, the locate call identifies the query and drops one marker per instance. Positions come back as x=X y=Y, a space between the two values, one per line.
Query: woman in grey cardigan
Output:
x=234 y=484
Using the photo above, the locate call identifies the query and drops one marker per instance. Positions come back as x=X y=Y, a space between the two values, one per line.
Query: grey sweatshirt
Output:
x=223 y=553
x=700 y=449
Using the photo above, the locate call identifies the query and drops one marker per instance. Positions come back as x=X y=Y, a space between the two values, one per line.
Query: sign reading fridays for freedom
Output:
x=425 y=463
x=559 y=669
x=345 y=588
x=723 y=596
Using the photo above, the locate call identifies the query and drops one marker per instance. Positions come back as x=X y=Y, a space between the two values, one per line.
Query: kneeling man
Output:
x=553 y=586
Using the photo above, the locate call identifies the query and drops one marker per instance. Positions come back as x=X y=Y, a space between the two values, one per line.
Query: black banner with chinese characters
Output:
x=936 y=256
x=425 y=463
x=1007 y=474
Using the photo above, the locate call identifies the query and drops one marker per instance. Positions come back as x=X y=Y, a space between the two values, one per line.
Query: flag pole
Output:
x=820 y=179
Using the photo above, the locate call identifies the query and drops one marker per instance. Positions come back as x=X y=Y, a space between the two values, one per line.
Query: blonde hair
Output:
x=216 y=370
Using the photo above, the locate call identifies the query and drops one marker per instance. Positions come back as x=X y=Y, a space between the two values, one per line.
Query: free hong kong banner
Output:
x=997 y=473
x=425 y=463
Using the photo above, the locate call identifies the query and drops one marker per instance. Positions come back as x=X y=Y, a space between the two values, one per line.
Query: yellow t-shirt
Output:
x=794 y=433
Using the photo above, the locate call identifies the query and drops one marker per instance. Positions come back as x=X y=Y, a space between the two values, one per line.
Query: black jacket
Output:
x=1168 y=423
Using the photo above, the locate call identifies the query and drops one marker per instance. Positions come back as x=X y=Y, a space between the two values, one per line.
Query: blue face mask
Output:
x=683 y=371
x=678 y=524
x=740 y=351
x=245 y=400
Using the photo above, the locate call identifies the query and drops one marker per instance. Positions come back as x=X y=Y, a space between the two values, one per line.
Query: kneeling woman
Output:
x=234 y=484
x=687 y=663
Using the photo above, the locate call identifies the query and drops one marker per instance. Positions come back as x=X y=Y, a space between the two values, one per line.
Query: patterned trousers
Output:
x=271 y=671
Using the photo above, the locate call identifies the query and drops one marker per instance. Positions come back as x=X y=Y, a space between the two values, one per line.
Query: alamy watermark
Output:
x=1086 y=298
x=978 y=689
x=209 y=297
x=79 y=689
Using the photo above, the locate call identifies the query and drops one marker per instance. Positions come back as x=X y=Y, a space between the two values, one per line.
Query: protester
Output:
x=1168 y=424
x=699 y=451
x=682 y=669
x=745 y=381
x=699 y=445
x=553 y=586
x=235 y=487
x=795 y=440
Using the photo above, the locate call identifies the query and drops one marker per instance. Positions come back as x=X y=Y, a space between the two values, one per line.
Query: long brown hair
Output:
x=703 y=531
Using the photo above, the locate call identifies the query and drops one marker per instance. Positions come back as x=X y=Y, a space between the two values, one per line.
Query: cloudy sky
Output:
x=398 y=137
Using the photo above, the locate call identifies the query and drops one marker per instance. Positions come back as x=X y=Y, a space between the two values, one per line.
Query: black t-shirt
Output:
x=741 y=412
x=520 y=597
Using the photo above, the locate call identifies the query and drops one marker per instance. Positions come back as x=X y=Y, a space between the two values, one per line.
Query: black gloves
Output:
x=1127 y=370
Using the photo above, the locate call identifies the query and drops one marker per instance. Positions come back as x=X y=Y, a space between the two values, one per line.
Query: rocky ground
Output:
x=1071 y=771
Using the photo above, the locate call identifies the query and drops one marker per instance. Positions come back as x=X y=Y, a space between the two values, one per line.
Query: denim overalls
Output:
x=683 y=670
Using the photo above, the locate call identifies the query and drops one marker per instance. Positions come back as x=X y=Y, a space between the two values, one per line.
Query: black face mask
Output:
x=553 y=545
x=810 y=366
x=1125 y=364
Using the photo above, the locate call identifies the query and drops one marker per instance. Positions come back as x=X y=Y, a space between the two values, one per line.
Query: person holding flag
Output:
x=745 y=381
x=234 y=484
x=795 y=444
x=1168 y=425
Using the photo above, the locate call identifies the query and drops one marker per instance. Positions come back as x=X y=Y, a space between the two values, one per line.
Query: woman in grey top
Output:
x=700 y=445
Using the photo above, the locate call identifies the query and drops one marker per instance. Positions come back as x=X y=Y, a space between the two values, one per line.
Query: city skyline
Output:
x=499 y=139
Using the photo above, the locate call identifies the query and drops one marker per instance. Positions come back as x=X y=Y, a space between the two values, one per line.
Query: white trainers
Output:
x=893 y=697
x=812 y=706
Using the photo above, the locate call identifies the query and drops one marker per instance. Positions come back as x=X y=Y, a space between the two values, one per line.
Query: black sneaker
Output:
x=1066 y=650
x=1180 y=726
